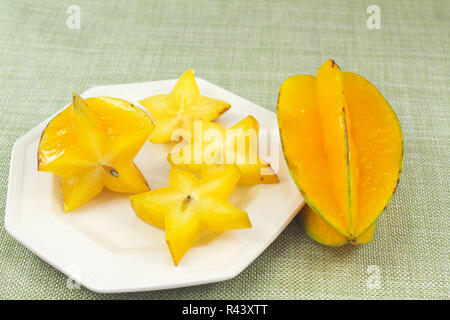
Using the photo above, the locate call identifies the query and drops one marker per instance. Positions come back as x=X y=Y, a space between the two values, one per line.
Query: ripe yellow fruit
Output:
x=319 y=230
x=91 y=144
x=343 y=145
x=189 y=206
x=180 y=108
x=210 y=145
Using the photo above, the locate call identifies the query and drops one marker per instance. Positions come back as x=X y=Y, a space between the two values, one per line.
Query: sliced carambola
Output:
x=189 y=206
x=217 y=145
x=180 y=108
x=91 y=144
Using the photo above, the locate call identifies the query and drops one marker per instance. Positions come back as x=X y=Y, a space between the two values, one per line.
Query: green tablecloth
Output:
x=249 y=48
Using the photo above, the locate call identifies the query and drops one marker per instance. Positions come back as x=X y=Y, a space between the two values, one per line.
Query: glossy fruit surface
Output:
x=180 y=108
x=211 y=145
x=91 y=144
x=189 y=206
x=343 y=145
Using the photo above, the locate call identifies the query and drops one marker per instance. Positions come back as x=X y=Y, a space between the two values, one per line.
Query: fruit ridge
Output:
x=343 y=146
x=211 y=145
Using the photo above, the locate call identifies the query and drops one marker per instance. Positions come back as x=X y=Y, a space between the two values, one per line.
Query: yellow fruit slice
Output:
x=211 y=145
x=91 y=144
x=319 y=230
x=343 y=146
x=189 y=206
x=180 y=108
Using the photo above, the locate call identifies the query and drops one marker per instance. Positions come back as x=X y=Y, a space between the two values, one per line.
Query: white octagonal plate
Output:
x=106 y=248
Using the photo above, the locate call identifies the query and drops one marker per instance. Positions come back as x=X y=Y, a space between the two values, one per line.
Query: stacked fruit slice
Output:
x=343 y=145
x=237 y=145
x=189 y=206
x=91 y=145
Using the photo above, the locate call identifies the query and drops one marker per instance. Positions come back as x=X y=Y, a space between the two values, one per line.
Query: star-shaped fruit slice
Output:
x=91 y=144
x=180 y=108
x=211 y=146
x=189 y=206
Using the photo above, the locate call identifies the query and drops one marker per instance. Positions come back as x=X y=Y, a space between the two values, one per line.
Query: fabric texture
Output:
x=250 y=48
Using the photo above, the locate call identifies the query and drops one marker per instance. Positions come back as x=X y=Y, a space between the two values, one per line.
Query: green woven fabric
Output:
x=249 y=48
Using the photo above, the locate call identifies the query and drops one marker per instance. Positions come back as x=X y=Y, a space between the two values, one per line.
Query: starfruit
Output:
x=180 y=108
x=209 y=146
x=343 y=145
x=189 y=206
x=91 y=144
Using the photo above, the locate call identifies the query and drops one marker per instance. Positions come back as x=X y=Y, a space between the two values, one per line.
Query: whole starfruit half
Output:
x=343 y=145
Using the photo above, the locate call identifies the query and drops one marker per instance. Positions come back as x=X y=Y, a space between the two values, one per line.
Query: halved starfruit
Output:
x=91 y=144
x=343 y=145
x=207 y=146
x=180 y=108
x=189 y=206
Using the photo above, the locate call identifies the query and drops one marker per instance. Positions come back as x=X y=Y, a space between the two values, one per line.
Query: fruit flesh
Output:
x=180 y=108
x=189 y=206
x=214 y=143
x=361 y=170
x=91 y=144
